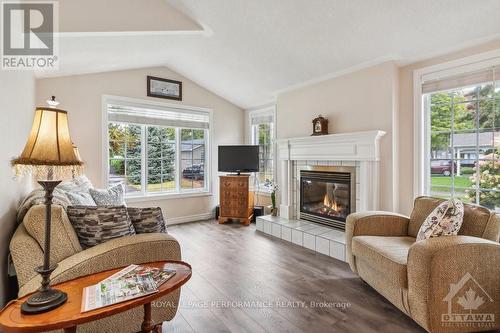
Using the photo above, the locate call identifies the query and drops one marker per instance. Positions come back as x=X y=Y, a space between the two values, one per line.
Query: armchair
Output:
x=427 y=280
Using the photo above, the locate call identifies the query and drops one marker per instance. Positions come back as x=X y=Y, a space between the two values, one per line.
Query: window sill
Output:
x=167 y=196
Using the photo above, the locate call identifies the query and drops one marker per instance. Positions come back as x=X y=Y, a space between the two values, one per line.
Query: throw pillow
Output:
x=445 y=220
x=96 y=225
x=110 y=197
x=78 y=184
x=80 y=199
x=147 y=220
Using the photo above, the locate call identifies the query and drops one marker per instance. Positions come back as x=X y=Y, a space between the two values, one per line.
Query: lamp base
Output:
x=46 y=298
x=43 y=301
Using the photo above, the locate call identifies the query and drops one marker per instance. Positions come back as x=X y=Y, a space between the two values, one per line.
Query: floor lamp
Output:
x=49 y=156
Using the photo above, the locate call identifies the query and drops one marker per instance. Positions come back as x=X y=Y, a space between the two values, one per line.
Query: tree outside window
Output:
x=161 y=159
x=130 y=144
x=125 y=156
x=465 y=144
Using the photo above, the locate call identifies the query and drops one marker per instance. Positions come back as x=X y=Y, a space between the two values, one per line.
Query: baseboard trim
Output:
x=190 y=218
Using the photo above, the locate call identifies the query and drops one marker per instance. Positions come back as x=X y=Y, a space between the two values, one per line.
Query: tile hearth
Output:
x=313 y=236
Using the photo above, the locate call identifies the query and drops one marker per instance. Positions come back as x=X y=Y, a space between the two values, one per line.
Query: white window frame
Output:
x=261 y=111
x=144 y=195
x=421 y=114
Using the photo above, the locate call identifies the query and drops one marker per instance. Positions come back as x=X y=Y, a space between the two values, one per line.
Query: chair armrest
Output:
x=373 y=223
x=115 y=253
x=438 y=267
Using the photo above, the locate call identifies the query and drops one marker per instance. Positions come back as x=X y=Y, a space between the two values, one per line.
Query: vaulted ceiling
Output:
x=246 y=51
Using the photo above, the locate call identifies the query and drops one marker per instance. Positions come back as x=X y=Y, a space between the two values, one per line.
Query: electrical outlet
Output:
x=10 y=266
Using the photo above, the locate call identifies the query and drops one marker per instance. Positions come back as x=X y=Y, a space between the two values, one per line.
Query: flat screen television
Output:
x=243 y=158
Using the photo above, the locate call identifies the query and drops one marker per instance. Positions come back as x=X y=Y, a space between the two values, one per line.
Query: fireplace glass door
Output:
x=325 y=197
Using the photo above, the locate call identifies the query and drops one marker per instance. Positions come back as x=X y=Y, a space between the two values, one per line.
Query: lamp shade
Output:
x=77 y=153
x=49 y=143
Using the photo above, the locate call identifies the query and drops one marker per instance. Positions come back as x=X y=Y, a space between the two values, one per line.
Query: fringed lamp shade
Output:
x=49 y=152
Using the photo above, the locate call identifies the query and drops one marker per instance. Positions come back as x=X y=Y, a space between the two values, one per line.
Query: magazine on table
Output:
x=131 y=282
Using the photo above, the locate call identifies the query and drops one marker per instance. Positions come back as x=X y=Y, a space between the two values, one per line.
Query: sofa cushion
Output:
x=147 y=220
x=475 y=217
x=96 y=225
x=64 y=242
x=445 y=220
x=385 y=254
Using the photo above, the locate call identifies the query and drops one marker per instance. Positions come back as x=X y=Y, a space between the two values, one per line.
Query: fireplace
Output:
x=327 y=197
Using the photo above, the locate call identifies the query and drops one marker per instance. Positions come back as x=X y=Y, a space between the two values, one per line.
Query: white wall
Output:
x=359 y=101
x=17 y=95
x=81 y=95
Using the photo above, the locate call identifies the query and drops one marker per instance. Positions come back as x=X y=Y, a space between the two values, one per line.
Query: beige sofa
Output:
x=424 y=279
x=26 y=249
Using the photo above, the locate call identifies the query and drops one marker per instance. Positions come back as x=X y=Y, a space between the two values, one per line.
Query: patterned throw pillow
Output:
x=445 y=220
x=96 y=225
x=110 y=197
x=80 y=199
x=147 y=220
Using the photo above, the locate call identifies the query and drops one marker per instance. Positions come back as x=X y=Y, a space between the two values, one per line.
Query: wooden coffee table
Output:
x=69 y=315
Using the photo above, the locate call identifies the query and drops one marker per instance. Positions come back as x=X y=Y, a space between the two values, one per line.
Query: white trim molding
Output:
x=357 y=148
x=189 y=218
x=421 y=120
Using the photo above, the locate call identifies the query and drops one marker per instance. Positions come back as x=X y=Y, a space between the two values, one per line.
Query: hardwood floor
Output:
x=245 y=281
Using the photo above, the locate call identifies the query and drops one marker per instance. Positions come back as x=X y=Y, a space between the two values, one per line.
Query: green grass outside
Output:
x=441 y=185
x=460 y=181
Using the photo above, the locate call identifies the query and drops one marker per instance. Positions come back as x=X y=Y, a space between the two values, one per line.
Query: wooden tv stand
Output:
x=236 y=201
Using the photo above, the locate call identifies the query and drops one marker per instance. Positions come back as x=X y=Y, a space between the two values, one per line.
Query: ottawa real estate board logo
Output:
x=28 y=35
x=469 y=305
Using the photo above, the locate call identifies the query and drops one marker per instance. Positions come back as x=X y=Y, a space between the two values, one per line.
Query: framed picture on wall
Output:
x=164 y=88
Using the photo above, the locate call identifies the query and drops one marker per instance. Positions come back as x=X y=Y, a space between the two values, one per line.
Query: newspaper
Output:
x=131 y=282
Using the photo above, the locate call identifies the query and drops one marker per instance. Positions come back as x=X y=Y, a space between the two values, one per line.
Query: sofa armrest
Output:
x=115 y=253
x=26 y=254
x=373 y=223
x=440 y=268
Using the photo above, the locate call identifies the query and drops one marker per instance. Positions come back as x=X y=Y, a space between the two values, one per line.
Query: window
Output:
x=192 y=158
x=155 y=149
x=160 y=159
x=464 y=137
x=262 y=134
x=125 y=155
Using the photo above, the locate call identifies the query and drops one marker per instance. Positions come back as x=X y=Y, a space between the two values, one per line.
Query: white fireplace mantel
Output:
x=356 y=146
x=362 y=147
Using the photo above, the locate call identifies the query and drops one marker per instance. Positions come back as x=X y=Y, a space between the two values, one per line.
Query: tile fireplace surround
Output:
x=359 y=150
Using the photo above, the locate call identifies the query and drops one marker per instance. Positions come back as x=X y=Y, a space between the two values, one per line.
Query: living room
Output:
x=299 y=166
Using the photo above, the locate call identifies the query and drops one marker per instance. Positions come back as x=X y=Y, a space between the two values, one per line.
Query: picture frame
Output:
x=164 y=88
